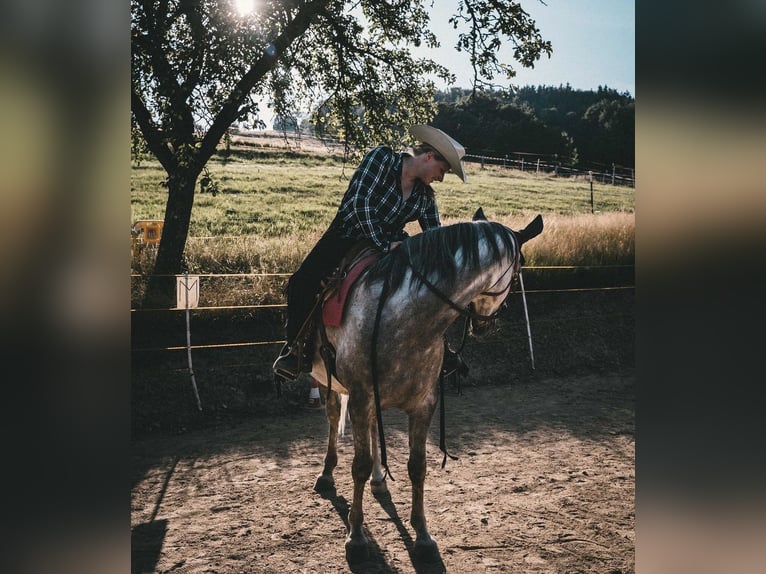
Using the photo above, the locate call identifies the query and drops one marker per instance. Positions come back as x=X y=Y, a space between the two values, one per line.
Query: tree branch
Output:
x=152 y=135
x=231 y=106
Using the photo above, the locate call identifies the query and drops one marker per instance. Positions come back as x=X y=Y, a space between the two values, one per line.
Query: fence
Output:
x=583 y=324
x=529 y=162
x=282 y=306
x=533 y=163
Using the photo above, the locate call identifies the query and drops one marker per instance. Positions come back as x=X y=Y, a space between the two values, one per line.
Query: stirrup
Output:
x=291 y=362
x=287 y=364
x=453 y=363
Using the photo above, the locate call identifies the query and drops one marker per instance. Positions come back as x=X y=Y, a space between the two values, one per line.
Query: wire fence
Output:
x=534 y=163
x=613 y=173
x=283 y=306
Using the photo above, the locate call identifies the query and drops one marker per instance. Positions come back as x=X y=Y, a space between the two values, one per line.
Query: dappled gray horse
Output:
x=390 y=343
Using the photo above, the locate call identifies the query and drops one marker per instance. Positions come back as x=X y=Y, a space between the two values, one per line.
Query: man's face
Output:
x=437 y=167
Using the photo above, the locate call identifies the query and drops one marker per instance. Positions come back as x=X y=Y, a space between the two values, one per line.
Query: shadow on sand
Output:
x=376 y=561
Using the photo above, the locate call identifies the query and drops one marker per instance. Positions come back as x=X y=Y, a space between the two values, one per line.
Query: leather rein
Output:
x=467 y=311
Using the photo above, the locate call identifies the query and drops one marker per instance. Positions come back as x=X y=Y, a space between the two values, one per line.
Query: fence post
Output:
x=590 y=177
x=538 y=166
x=612 y=173
x=183 y=287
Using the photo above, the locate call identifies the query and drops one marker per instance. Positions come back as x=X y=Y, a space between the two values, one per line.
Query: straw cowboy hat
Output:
x=450 y=150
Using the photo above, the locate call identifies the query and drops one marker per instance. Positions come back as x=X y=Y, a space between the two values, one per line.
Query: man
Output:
x=388 y=190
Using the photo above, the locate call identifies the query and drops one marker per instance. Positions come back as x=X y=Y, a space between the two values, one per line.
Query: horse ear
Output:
x=534 y=229
x=479 y=215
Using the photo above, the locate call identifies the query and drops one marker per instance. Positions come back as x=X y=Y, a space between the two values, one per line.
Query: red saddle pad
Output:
x=332 y=309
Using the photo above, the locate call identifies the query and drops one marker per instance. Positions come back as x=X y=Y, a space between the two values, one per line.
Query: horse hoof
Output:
x=324 y=483
x=378 y=487
x=426 y=551
x=356 y=551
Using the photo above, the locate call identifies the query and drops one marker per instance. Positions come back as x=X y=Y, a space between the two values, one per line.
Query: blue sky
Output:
x=593 y=44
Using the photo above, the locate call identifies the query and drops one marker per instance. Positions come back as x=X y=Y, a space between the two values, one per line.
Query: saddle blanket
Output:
x=332 y=309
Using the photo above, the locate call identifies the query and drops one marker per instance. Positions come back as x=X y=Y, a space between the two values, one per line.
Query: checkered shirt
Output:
x=373 y=207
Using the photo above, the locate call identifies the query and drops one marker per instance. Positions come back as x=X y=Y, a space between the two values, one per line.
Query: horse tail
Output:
x=343 y=414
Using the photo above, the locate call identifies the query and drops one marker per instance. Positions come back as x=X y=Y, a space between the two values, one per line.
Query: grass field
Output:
x=272 y=205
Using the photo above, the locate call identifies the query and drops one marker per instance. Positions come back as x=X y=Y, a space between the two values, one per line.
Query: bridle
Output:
x=468 y=311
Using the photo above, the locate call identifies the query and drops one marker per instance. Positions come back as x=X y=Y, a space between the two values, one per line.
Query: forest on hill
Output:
x=579 y=129
x=585 y=129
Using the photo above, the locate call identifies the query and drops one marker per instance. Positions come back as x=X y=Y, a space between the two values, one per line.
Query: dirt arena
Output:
x=544 y=482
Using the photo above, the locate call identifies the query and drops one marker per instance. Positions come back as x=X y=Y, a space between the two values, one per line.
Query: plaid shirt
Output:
x=373 y=208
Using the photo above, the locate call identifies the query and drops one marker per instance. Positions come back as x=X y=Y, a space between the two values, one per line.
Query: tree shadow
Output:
x=146 y=538
x=146 y=545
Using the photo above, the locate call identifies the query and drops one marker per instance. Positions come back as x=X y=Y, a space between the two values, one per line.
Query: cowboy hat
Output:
x=449 y=149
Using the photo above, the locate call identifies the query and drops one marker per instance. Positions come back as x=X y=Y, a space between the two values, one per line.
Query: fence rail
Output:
x=617 y=175
x=613 y=174
x=276 y=306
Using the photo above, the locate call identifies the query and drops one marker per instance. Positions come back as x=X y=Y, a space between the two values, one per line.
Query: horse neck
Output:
x=420 y=314
x=492 y=271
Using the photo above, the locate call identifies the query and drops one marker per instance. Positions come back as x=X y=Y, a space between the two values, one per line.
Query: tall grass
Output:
x=273 y=206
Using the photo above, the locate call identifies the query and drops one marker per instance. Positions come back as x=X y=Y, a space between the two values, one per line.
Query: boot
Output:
x=292 y=361
x=453 y=362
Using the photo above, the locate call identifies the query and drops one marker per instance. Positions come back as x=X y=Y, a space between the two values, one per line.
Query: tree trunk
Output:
x=160 y=292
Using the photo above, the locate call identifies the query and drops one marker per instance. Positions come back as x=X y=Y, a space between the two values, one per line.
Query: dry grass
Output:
x=272 y=209
x=599 y=239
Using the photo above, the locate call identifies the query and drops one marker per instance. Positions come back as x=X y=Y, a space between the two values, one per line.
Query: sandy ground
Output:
x=544 y=482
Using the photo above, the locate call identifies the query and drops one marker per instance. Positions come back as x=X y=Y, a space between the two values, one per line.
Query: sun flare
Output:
x=244 y=7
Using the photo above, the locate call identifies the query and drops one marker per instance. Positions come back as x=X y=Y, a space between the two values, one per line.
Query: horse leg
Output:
x=378 y=484
x=325 y=481
x=425 y=546
x=356 y=541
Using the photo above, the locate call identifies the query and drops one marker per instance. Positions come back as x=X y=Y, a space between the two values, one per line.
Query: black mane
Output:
x=433 y=252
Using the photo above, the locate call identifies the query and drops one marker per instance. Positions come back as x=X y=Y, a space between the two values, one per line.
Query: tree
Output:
x=490 y=125
x=613 y=122
x=198 y=66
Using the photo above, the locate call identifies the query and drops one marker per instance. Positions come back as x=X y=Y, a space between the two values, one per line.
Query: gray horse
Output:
x=389 y=349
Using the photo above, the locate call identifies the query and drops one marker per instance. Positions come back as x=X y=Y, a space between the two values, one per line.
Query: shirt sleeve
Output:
x=429 y=219
x=367 y=192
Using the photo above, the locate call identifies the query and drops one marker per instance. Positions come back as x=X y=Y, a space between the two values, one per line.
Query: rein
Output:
x=465 y=311
x=375 y=389
x=469 y=315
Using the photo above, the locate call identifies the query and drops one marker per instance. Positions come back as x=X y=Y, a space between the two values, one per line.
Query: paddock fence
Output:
x=252 y=310
x=530 y=162
x=534 y=163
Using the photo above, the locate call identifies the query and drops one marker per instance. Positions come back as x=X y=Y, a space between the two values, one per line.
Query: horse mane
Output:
x=434 y=253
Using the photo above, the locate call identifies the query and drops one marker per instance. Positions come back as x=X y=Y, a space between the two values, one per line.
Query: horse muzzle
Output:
x=482 y=325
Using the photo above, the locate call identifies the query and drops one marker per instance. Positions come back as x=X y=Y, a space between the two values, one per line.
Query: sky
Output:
x=593 y=45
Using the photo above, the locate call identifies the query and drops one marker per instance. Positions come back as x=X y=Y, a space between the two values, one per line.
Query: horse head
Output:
x=485 y=307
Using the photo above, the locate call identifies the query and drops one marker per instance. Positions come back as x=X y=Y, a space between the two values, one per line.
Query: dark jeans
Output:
x=305 y=284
